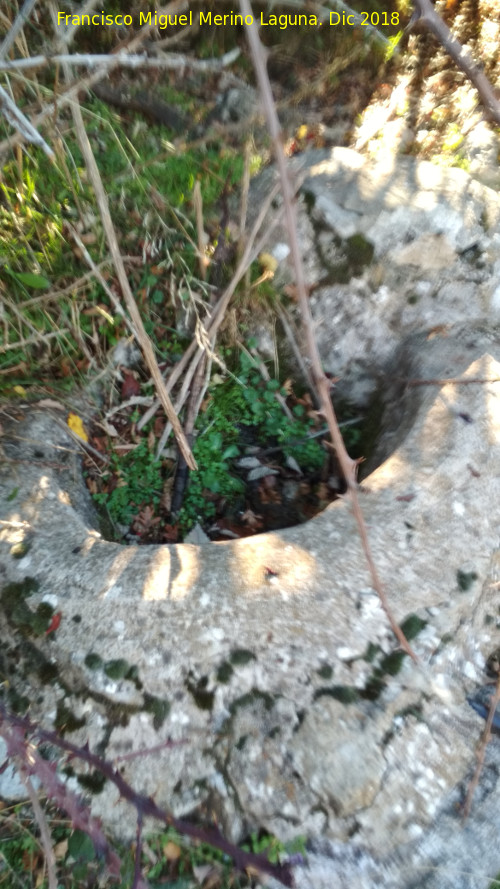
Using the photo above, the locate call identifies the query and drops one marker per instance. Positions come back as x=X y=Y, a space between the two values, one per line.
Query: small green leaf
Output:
x=80 y=846
x=465 y=579
x=37 y=282
x=13 y=494
x=232 y=450
x=273 y=385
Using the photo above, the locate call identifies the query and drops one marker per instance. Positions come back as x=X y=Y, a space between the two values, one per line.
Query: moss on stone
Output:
x=159 y=707
x=241 y=656
x=198 y=689
x=465 y=579
x=224 y=672
x=94 y=782
x=345 y=694
x=117 y=668
x=412 y=626
x=93 y=661
x=66 y=721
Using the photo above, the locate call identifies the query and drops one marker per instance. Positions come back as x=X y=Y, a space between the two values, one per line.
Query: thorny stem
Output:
x=425 y=15
x=347 y=464
x=13 y=729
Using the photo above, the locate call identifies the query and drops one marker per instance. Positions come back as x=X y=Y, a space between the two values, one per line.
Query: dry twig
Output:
x=426 y=16
x=347 y=465
x=142 y=337
x=123 y=60
x=481 y=752
x=219 y=310
x=45 y=837
x=21 y=123
x=16 y=28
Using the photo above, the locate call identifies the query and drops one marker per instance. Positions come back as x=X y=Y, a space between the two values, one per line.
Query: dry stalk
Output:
x=85 y=83
x=16 y=27
x=142 y=337
x=31 y=340
x=425 y=16
x=102 y=281
x=200 y=229
x=21 y=123
x=347 y=465
x=124 y=60
x=217 y=315
x=449 y=380
x=287 y=327
x=77 y=285
x=45 y=837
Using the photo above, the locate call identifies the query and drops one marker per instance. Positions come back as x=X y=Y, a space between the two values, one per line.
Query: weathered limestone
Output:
x=270 y=658
x=390 y=248
x=254 y=673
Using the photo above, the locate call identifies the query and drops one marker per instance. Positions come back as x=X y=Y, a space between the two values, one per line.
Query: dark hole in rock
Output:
x=258 y=485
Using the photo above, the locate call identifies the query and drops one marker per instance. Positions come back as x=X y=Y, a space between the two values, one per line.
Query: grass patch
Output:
x=167 y=858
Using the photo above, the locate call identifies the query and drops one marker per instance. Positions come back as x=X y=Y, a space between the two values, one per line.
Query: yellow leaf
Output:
x=20 y=390
x=268 y=262
x=75 y=423
x=60 y=850
x=171 y=851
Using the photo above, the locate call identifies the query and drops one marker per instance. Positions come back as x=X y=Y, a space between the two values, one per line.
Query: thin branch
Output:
x=447 y=380
x=138 y=882
x=82 y=444
x=287 y=327
x=102 y=281
x=425 y=15
x=356 y=18
x=85 y=83
x=77 y=285
x=142 y=337
x=45 y=837
x=347 y=465
x=481 y=752
x=170 y=61
x=14 y=734
x=16 y=28
x=13 y=729
x=36 y=338
x=21 y=123
x=200 y=229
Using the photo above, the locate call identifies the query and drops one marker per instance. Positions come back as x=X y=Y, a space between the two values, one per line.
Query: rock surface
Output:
x=270 y=659
x=390 y=248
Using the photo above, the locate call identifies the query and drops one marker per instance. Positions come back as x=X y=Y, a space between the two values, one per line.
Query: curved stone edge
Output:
x=203 y=604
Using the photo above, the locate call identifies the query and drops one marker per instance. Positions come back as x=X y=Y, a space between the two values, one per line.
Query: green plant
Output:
x=168 y=859
x=213 y=449
x=263 y=411
x=242 y=400
x=139 y=481
x=274 y=849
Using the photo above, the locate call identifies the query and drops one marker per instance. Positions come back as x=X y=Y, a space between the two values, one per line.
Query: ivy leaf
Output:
x=75 y=423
